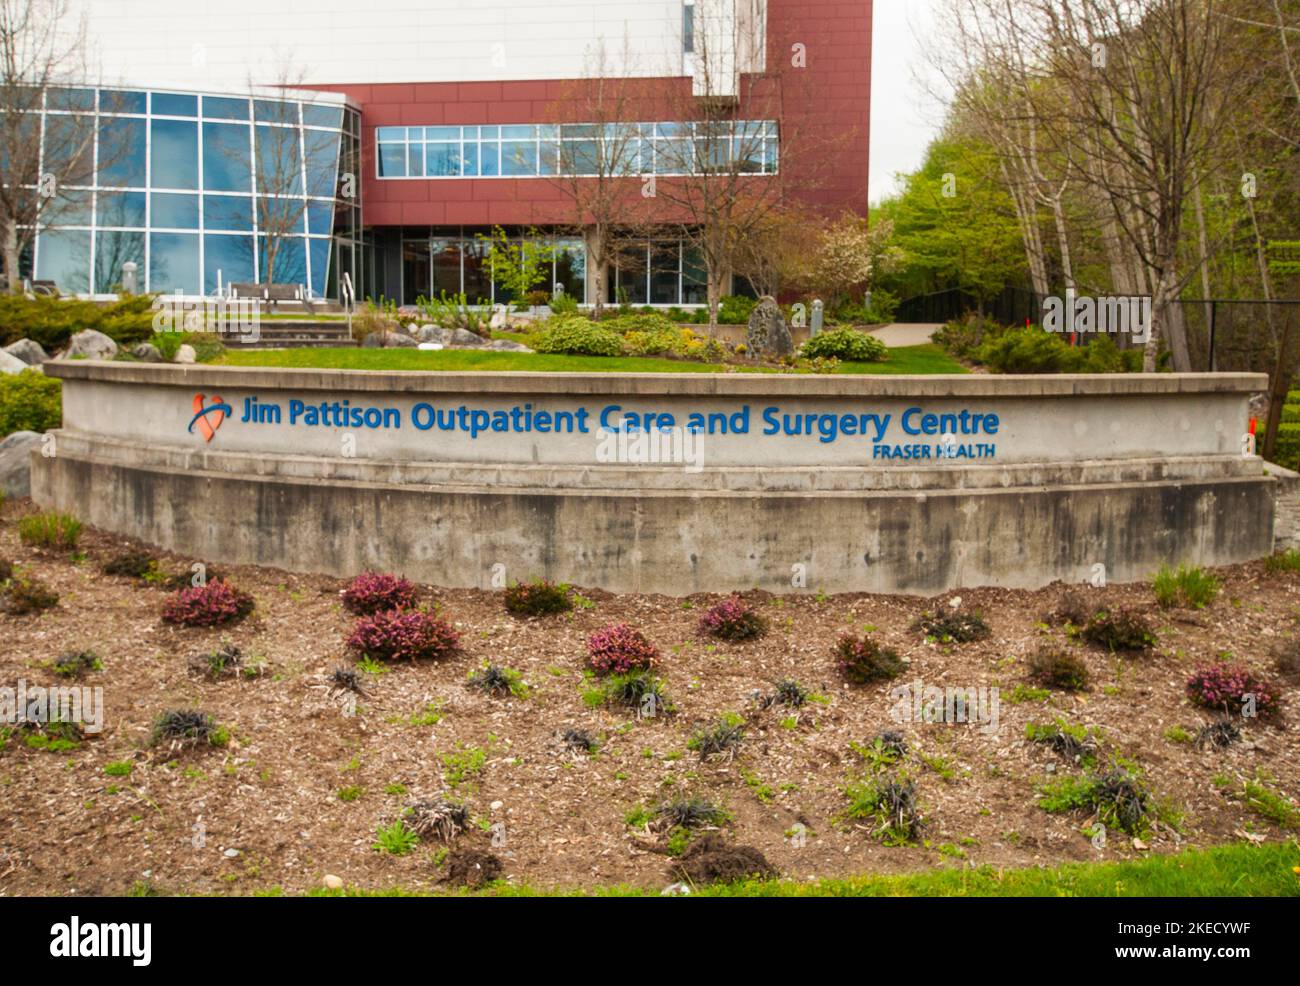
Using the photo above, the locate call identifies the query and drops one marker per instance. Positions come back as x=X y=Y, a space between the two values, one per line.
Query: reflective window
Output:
x=175 y=211
x=322 y=116
x=114 y=101
x=174 y=154
x=174 y=104
x=113 y=248
x=278 y=164
x=174 y=262
x=225 y=108
x=232 y=212
x=226 y=164
x=63 y=256
x=282 y=259
x=70 y=99
x=227 y=260
x=120 y=209
x=121 y=152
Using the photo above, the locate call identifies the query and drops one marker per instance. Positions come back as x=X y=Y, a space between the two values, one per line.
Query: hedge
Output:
x=52 y=321
x=29 y=401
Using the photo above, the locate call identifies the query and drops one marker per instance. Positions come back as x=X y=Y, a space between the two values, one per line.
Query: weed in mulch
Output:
x=74 y=664
x=1123 y=632
x=1074 y=607
x=1059 y=668
x=788 y=693
x=188 y=727
x=131 y=564
x=437 y=819
x=1218 y=735
x=225 y=660
x=711 y=859
x=498 y=681
x=720 y=740
x=472 y=868
x=579 y=741
x=886 y=748
x=889 y=802
x=862 y=660
x=22 y=597
x=197 y=576
x=54 y=737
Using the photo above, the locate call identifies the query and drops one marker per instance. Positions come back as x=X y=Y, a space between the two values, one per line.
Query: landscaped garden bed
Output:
x=261 y=736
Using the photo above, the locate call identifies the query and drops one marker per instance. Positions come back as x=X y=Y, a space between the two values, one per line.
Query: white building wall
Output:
x=224 y=44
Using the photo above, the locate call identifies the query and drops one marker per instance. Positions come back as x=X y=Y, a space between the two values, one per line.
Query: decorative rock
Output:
x=332 y=882
x=186 y=354
x=90 y=344
x=16 y=463
x=9 y=363
x=432 y=333
x=400 y=340
x=768 y=334
x=147 y=352
x=429 y=345
x=509 y=346
x=499 y=319
x=28 y=350
x=231 y=853
x=465 y=339
x=373 y=341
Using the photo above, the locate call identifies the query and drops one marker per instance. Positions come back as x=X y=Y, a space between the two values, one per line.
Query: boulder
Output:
x=509 y=346
x=375 y=340
x=28 y=350
x=147 y=352
x=465 y=339
x=10 y=363
x=432 y=333
x=500 y=319
x=400 y=340
x=91 y=344
x=16 y=463
x=185 y=354
x=768 y=334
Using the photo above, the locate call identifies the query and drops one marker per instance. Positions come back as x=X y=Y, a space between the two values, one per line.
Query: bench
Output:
x=270 y=293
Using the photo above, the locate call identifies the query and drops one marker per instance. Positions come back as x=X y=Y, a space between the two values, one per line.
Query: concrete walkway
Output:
x=906 y=333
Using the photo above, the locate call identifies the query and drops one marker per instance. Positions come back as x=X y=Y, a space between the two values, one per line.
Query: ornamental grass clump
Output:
x=619 y=648
x=1231 y=688
x=403 y=635
x=732 y=619
x=374 y=592
x=863 y=661
x=210 y=605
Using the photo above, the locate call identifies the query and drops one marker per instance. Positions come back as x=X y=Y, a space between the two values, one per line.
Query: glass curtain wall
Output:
x=202 y=190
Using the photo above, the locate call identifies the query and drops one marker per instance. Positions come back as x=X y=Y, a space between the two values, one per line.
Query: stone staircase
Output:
x=275 y=333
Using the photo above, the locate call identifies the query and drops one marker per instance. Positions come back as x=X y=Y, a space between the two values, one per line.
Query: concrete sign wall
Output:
x=638 y=480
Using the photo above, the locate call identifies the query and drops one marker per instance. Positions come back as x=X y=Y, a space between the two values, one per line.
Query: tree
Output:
x=774 y=256
x=598 y=160
x=42 y=48
x=518 y=266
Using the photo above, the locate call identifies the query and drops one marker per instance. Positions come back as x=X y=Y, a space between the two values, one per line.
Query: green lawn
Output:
x=1224 y=871
x=925 y=359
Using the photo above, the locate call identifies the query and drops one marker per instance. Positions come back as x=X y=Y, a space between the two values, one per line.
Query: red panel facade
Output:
x=823 y=91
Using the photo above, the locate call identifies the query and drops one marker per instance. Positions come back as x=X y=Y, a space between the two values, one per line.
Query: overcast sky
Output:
x=903 y=118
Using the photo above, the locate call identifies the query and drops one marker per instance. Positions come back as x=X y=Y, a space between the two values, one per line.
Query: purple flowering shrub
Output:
x=620 y=648
x=1225 y=687
x=373 y=592
x=396 y=635
x=216 y=603
x=732 y=619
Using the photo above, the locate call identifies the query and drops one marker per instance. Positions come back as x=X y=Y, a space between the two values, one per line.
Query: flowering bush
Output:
x=396 y=634
x=539 y=598
x=371 y=592
x=1227 y=687
x=862 y=660
x=213 y=604
x=731 y=619
x=620 y=648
